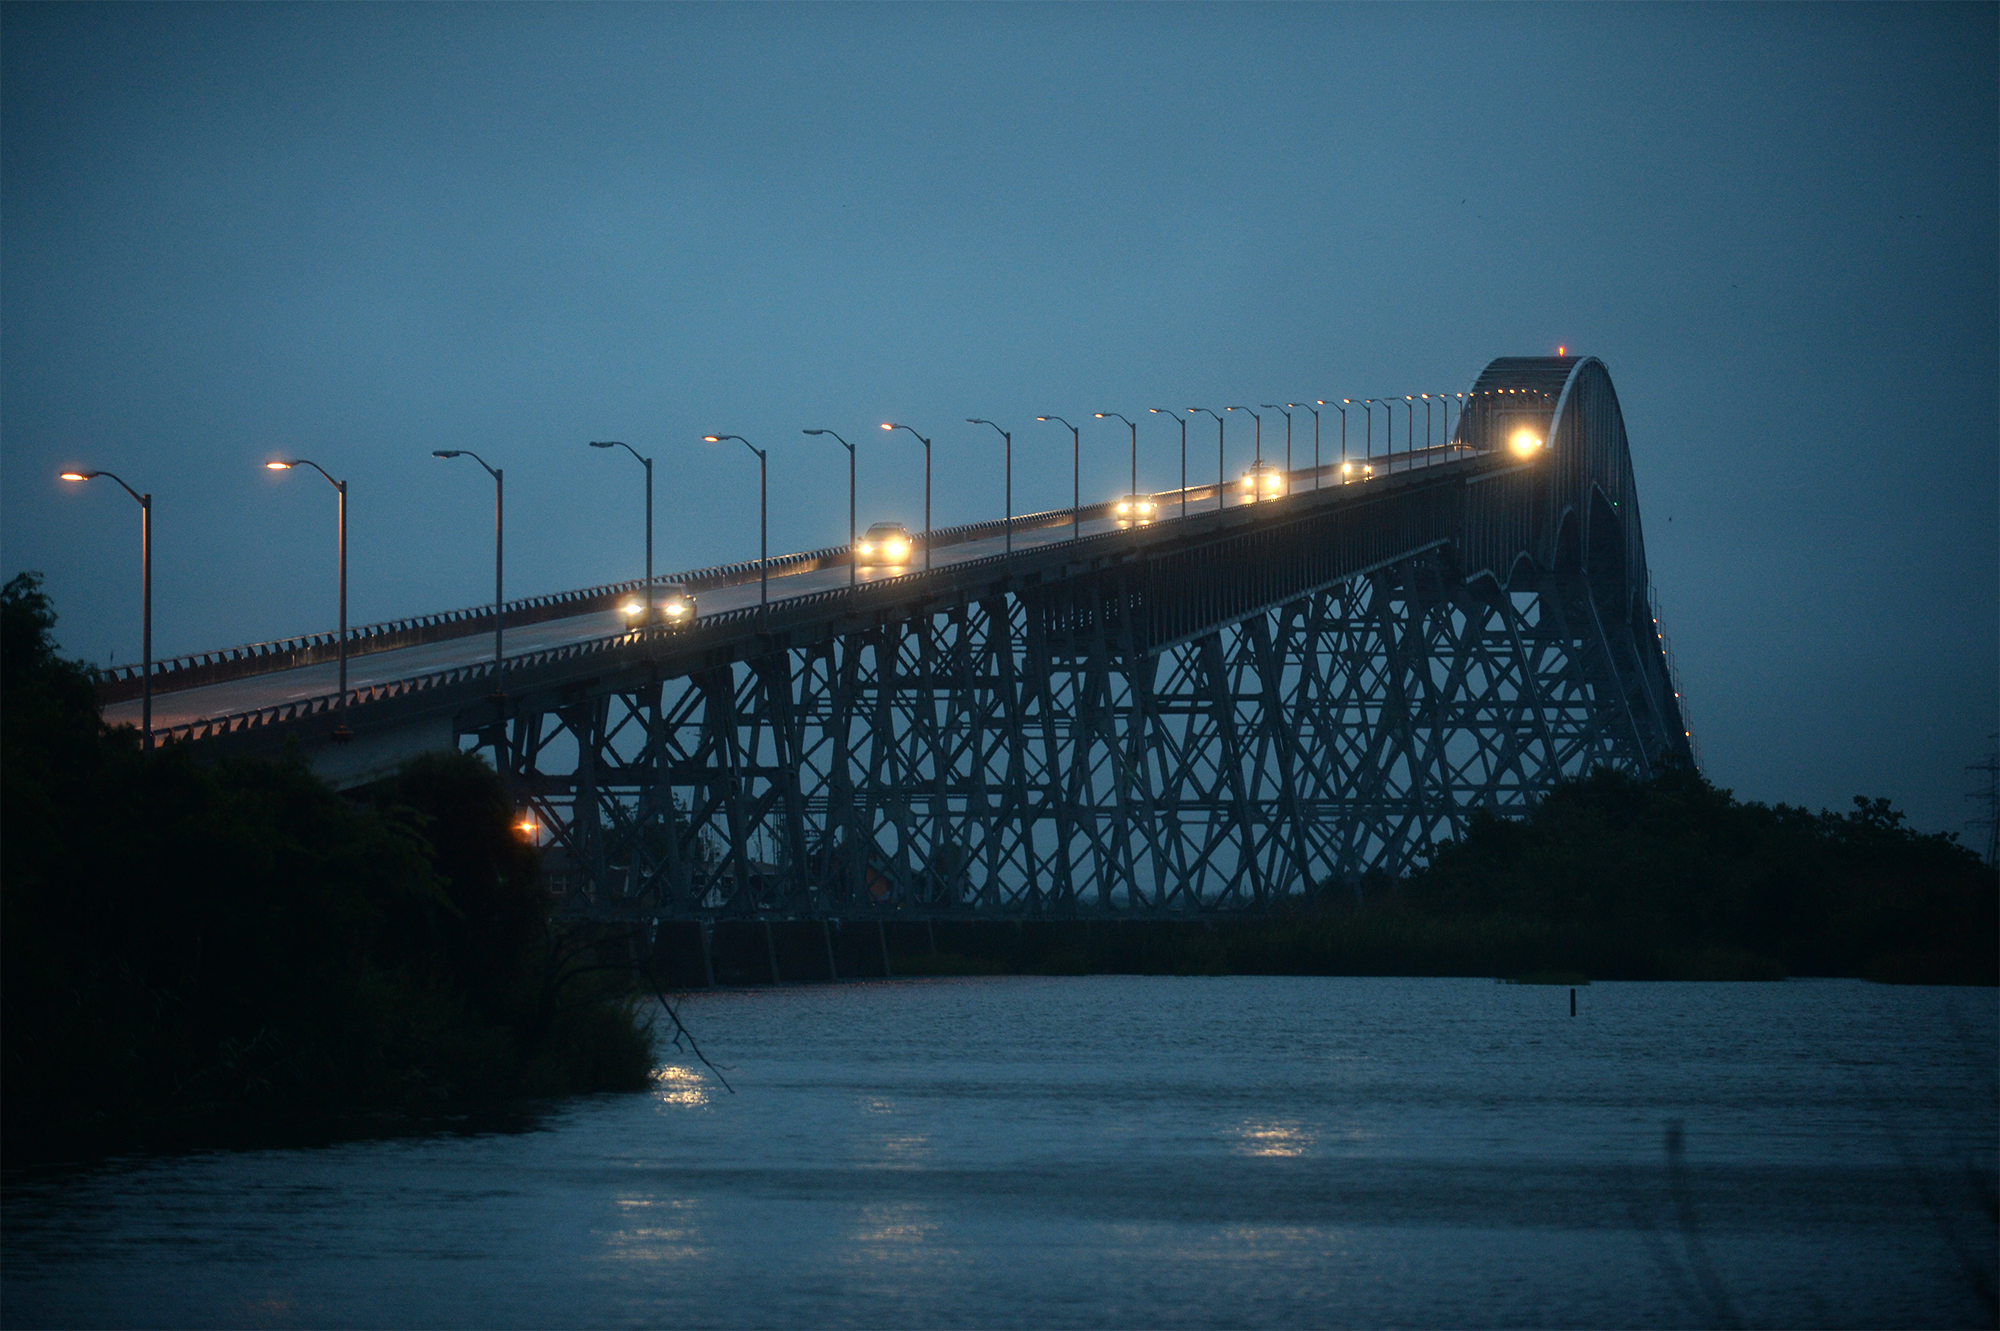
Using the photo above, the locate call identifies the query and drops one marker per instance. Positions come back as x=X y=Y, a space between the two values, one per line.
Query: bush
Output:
x=231 y=951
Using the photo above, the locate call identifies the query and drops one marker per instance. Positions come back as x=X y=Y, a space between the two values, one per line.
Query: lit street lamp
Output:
x=1008 y=439
x=1259 y=446
x=1135 y=446
x=499 y=495
x=853 y=568
x=1182 y=420
x=145 y=598
x=1341 y=407
x=340 y=731
x=1272 y=406
x=1075 y=476
x=1221 y=471
x=894 y=425
x=763 y=526
x=1315 y=411
x=614 y=443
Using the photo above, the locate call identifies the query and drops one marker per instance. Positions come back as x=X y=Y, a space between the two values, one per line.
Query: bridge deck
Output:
x=194 y=706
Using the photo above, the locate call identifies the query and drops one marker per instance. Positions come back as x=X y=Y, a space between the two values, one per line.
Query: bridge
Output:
x=1069 y=714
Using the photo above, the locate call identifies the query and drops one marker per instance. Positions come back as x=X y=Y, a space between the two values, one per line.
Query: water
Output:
x=1111 y=1151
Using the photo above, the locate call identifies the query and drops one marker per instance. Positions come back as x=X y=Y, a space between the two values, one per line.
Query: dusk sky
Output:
x=359 y=233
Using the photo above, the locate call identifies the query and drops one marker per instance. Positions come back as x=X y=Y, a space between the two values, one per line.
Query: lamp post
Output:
x=499 y=511
x=1259 y=447
x=763 y=525
x=1135 y=446
x=1007 y=438
x=1315 y=411
x=340 y=731
x=893 y=425
x=145 y=502
x=1272 y=406
x=1410 y=425
x=1182 y=420
x=853 y=569
x=648 y=462
x=1341 y=407
x=1221 y=475
x=1075 y=477
x=1368 y=441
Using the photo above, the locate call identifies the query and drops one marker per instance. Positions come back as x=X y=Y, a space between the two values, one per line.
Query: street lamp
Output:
x=499 y=494
x=1221 y=474
x=763 y=526
x=1314 y=409
x=145 y=598
x=615 y=443
x=1008 y=439
x=1272 y=406
x=1182 y=420
x=893 y=425
x=340 y=731
x=1368 y=442
x=1075 y=476
x=1135 y=446
x=1341 y=407
x=853 y=568
x=1259 y=459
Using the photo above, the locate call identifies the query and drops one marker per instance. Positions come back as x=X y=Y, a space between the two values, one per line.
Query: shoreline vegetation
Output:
x=232 y=953
x=1608 y=877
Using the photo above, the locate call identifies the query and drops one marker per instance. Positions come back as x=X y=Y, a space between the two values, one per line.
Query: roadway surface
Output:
x=232 y=697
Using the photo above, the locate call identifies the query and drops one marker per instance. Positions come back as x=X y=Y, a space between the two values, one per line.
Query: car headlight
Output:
x=895 y=549
x=677 y=607
x=1124 y=508
x=632 y=608
x=867 y=547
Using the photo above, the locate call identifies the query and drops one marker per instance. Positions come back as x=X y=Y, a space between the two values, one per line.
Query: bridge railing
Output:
x=1673 y=668
x=709 y=627
x=197 y=669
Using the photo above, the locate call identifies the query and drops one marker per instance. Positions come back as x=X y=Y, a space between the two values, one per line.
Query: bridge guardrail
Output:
x=706 y=627
x=196 y=669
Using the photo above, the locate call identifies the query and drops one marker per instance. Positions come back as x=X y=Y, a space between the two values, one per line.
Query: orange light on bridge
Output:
x=73 y=476
x=277 y=466
x=1562 y=351
x=1524 y=442
x=528 y=827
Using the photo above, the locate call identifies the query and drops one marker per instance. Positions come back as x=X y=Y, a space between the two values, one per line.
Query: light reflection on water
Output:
x=1124 y=1151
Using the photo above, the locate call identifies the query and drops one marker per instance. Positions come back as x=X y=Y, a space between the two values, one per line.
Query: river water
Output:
x=1123 y=1151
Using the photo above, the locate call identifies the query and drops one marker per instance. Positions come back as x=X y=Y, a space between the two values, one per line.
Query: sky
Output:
x=358 y=233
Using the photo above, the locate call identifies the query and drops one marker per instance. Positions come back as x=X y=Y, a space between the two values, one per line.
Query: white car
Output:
x=886 y=544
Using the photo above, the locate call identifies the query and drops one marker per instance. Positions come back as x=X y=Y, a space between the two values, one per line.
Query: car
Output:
x=1133 y=510
x=673 y=607
x=1355 y=471
x=884 y=544
x=1263 y=481
x=676 y=605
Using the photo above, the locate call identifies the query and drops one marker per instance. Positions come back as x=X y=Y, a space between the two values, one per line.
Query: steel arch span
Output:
x=1279 y=699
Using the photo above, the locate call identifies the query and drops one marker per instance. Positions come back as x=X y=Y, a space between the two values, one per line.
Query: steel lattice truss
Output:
x=1208 y=716
x=992 y=759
